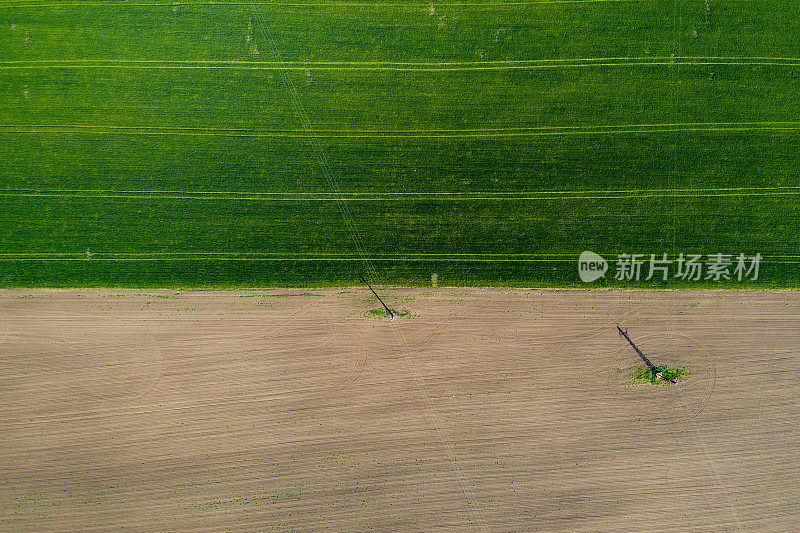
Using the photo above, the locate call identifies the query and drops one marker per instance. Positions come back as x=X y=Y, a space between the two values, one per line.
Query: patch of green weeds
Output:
x=302 y=294
x=659 y=374
x=382 y=313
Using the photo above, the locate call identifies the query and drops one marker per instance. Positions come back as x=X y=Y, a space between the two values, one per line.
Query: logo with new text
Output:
x=591 y=267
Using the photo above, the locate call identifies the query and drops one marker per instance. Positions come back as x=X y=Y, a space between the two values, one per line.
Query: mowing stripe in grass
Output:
x=393 y=199
x=346 y=5
x=200 y=62
x=413 y=134
x=558 y=256
x=99 y=257
x=669 y=63
x=410 y=132
x=405 y=196
x=400 y=193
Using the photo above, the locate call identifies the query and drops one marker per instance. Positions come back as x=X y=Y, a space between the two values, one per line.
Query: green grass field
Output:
x=156 y=144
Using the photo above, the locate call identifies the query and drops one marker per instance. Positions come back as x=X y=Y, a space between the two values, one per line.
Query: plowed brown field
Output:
x=484 y=409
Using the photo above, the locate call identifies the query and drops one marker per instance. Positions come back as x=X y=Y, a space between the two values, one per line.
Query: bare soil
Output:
x=485 y=409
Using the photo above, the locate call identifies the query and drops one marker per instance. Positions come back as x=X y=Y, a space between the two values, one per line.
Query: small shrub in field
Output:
x=382 y=313
x=659 y=375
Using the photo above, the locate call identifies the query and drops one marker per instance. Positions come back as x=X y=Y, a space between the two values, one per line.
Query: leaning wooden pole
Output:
x=376 y=296
x=650 y=365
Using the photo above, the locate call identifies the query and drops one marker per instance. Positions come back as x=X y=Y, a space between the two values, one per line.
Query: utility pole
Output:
x=376 y=296
x=650 y=365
